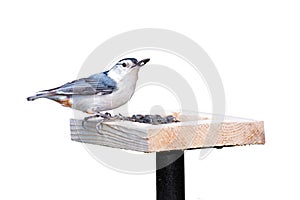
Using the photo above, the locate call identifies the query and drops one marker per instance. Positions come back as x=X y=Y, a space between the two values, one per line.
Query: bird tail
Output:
x=39 y=95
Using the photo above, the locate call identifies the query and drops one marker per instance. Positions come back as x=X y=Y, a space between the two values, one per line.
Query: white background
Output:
x=255 y=46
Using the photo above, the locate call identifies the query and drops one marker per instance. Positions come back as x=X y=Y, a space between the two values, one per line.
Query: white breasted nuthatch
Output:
x=99 y=92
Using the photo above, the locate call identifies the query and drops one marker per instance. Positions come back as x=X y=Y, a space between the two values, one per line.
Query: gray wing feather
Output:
x=95 y=84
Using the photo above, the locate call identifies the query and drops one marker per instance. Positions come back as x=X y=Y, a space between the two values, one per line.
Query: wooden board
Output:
x=194 y=131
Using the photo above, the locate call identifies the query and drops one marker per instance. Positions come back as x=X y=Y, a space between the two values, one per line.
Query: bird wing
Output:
x=95 y=84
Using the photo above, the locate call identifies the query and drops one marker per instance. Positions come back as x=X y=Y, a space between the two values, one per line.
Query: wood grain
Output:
x=194 y=131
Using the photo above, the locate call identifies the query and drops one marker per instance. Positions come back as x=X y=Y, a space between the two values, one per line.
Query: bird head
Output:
x=129 y=63
x=126 y=66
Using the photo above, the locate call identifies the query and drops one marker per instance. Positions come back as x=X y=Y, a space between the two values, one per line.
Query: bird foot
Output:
x=98 y=115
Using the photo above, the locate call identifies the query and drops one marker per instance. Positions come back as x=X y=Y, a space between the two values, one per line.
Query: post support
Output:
x=170 y=175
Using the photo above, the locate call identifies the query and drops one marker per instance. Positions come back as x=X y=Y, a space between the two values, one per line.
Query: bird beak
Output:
x=143 y=62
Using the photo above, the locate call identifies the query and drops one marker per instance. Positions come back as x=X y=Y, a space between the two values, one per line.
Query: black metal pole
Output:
x=170 y=175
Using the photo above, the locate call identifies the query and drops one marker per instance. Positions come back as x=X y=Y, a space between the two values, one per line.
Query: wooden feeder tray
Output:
x=193 y=131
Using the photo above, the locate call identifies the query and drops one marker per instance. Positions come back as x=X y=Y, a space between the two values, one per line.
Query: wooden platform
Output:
x=194 y=131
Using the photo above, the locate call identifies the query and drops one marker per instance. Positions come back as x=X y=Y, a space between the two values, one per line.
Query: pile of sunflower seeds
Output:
x=148 y=119
x=153 y=119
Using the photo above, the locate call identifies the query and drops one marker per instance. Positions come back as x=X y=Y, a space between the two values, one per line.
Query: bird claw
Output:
x=104 y=116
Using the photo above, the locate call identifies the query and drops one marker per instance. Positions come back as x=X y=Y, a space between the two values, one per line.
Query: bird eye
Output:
x=124 y=64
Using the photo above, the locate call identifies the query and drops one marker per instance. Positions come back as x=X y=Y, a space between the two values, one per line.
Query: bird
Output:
x=99 y=92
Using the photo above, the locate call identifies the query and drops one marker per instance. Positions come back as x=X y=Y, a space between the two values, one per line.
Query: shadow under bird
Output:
x=99 y=92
